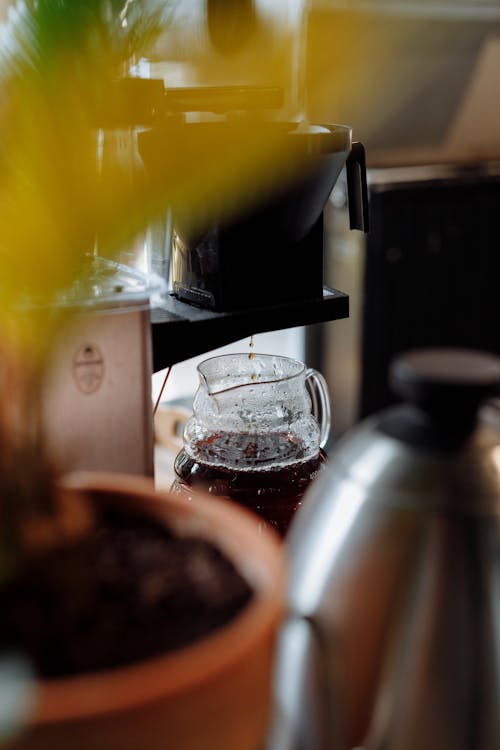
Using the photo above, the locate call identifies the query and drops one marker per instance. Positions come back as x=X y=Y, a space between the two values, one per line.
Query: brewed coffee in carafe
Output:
x=259 y=426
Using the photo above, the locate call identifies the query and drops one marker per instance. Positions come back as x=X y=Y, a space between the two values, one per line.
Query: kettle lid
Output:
x=447 y=384
x=443 y=390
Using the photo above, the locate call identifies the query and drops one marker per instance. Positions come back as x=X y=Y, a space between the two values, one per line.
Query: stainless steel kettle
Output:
x=393 y=639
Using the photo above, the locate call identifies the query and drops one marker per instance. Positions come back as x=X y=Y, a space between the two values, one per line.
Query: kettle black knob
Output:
x=447 y=384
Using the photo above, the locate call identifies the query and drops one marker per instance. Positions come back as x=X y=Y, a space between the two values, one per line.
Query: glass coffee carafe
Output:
x=259 y=426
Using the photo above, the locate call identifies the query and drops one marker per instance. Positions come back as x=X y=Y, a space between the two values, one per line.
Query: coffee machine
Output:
x=255 y=268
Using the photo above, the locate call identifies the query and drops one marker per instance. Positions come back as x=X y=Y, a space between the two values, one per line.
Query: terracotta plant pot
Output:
x=214 y=694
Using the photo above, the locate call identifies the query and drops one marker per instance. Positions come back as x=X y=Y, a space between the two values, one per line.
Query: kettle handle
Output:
x=357 y=188
x=320 y=403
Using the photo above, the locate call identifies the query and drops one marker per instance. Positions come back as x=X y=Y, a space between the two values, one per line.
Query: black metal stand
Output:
x=181 y=331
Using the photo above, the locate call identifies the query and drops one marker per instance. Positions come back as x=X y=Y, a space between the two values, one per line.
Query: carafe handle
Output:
x=320 y=403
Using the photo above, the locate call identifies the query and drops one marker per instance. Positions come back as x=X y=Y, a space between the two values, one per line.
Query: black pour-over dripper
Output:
x=271 y=250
